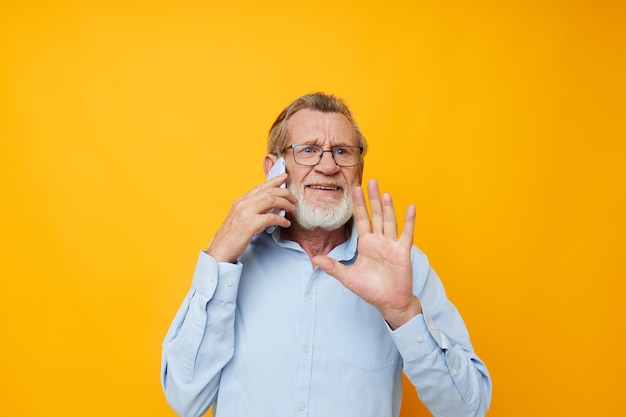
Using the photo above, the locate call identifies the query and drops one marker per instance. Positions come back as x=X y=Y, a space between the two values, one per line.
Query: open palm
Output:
x=382 y=273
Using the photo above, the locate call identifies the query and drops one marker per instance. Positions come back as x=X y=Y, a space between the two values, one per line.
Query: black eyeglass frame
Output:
x=331 y=150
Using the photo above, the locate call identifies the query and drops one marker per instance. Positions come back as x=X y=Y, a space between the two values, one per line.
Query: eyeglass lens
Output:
x=312 y=154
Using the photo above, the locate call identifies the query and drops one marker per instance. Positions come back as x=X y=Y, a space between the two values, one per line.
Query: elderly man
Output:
x=320 y=317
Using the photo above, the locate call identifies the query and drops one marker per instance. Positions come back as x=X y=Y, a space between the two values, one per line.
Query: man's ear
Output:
x=269 y=162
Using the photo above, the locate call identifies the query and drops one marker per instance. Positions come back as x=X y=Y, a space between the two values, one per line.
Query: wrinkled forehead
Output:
x=328 y=129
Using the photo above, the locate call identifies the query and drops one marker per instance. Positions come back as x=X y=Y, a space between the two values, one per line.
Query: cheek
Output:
x=297 y=174
x=354 y=180
x=294 y=183
x=293 y=180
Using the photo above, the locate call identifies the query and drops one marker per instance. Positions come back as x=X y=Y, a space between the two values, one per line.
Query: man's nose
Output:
x=327 y=163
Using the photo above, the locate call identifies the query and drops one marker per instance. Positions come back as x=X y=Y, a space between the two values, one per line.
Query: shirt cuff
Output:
x=217 y=281
x=418 y=337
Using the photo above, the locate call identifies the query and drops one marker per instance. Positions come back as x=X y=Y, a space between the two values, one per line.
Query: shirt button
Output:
x=455 y=371
x=306 y=349
x=301 y=407
x=230 y=282
x=309 y=296
x=212 y=278
x=431 y=327
x=197 y=330
x=419 y=338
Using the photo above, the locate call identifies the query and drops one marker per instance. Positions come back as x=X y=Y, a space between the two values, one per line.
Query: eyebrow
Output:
x=317 y=142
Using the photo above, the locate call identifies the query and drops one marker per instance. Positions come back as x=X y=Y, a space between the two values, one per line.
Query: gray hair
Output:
x=325 y=103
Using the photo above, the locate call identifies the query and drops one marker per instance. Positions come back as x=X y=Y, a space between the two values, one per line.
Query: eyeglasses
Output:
x=311 y=155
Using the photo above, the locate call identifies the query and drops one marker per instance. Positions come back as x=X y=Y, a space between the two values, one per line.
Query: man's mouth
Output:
x=324 y=187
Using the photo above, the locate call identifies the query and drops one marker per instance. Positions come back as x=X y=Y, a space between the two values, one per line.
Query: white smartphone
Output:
x=277 y=169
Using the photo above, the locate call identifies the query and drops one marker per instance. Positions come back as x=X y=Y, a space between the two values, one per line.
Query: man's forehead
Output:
x=316 y=125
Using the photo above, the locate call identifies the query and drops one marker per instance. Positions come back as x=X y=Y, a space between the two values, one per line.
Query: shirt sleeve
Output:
x=438 y=356
x=200 y=340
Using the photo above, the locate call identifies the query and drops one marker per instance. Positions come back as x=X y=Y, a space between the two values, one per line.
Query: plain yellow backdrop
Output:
x=127 y=129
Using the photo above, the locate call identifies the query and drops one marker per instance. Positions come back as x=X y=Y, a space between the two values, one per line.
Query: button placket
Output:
x=307 y=330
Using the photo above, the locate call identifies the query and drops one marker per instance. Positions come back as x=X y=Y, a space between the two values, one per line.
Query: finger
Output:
x=283 y=193
x=272 y=218
x=254 y=212
x=275 y=181
x=269 y=184
x=375 y=206
x=332 y=267
x=274 y=200
x=361 y=216
x=409 y=226
x=277 y=203
x=389 y=216
x=269 y=195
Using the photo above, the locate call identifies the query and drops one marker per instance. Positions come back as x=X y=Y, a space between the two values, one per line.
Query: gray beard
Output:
x=331 y=217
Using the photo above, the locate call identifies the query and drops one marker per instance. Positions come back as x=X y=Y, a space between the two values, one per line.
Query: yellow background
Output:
x=127 y=129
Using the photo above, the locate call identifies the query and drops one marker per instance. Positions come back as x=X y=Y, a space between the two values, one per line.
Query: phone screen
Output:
x=277 y=169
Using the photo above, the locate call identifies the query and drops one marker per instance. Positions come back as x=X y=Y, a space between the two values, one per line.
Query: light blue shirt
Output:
x=271 y=336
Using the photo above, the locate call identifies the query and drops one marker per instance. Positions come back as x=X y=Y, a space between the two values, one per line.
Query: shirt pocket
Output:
x=363 y=337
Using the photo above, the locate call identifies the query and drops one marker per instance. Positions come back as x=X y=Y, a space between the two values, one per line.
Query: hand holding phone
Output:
x=277 y=169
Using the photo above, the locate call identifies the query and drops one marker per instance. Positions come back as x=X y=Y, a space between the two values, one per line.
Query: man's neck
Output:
x=317 y=241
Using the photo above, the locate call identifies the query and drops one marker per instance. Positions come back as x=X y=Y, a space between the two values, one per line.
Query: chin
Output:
x=325 y=213
x=325 y=218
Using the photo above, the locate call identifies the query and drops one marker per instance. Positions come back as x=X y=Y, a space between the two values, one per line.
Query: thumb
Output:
x=328 y=265
x=335 y=269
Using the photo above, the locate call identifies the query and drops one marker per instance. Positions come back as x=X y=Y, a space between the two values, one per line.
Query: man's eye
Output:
x=308 y=149
x=341 y=151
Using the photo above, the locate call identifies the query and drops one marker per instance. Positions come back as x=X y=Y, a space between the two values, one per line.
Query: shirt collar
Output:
x=344 y=252
x=347 y=250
